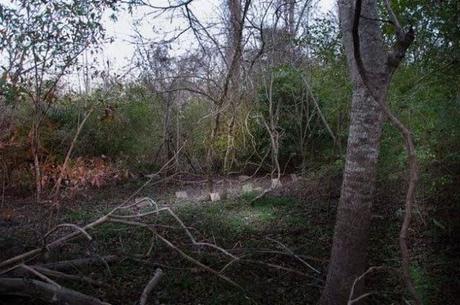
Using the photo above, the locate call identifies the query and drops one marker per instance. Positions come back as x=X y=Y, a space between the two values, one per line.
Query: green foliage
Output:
x=124 y=127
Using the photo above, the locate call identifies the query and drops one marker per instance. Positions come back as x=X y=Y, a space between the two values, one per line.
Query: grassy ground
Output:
x=265 y=235
x=242 y=229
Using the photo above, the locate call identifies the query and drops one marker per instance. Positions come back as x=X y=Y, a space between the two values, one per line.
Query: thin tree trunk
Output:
x=35 y=155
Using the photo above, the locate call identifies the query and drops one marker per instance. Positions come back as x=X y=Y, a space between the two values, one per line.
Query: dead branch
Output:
x=61 y=275
x=77 y=228
x=149 y=287
x=39 y=275
x=295 y=255
x=352 y=300
x=45 y=292
x=79 y=263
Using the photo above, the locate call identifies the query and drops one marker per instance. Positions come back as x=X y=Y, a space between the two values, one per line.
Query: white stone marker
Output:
x=181 y=195
x=214 y=196
x=247 y=188
x=276 y=183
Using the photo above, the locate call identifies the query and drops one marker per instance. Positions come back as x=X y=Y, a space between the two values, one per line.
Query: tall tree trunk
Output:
x=235 y=24
x=167 y=128
x=234 y=58
x=349 y=250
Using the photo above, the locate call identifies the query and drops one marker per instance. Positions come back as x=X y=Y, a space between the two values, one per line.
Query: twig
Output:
x=67 y=225
x=295 y=255
x=359 y=278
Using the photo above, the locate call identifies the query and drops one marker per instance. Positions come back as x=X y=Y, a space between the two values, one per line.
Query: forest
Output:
x=253 y=152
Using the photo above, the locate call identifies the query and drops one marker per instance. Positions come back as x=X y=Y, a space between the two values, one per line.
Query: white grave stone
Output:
x=276 y=183
x=247 y=188
x=214 y=196
x=181 y=195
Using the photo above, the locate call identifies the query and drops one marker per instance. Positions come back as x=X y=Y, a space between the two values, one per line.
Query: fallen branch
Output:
x=39 y=275
x=79 y=263
x=295 y=255
x=45 y=292
x=150 y=285
x=61 y=275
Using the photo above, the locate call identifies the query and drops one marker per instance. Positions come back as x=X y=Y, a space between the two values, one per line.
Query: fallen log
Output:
x=67 y=265
x=80 y=262
x=46 y=292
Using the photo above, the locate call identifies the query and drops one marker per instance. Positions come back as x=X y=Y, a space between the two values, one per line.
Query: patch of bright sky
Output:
x=120 y=51
x=144 y=20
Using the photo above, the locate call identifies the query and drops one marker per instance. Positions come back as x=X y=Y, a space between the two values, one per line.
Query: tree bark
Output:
x=349 y=249
x=234 y=40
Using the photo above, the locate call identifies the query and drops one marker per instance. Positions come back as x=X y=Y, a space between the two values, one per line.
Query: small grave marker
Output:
x=276 y=183
x=181 y=195
x=214 y=196
x=247 y=188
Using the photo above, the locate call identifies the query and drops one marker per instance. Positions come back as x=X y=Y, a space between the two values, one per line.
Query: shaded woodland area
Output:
x=248 y=152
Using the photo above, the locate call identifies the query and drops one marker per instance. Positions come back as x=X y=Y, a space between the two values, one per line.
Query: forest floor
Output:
x=283 y=241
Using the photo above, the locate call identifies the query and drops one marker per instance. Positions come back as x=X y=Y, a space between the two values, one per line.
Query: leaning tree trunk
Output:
x=349 y=250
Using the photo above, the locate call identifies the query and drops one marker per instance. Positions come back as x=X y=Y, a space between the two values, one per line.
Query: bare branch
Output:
x=39 y=275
